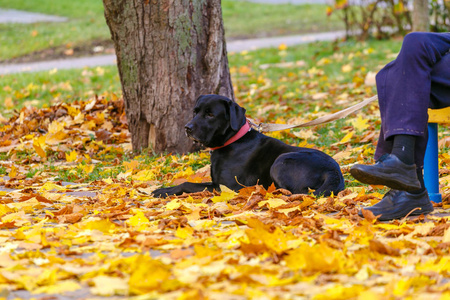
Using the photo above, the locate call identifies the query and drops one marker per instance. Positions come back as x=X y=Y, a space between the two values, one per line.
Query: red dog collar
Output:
x=244 y=129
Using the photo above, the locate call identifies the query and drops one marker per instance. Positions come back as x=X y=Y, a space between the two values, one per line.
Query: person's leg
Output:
x=404 y=91
x=406 y=84
x=384 y=146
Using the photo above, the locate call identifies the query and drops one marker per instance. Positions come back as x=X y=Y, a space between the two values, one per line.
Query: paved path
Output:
x=103 y=60
x=18 y=16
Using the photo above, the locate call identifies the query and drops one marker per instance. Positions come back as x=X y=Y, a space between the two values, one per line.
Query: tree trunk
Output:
x=420 y=16
x=168 y=53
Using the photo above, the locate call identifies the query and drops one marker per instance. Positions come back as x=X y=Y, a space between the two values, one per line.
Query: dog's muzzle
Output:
x=188 y=129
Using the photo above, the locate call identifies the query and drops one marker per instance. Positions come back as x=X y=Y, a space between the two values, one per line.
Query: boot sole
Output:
x=380 y=179
x=388 y=217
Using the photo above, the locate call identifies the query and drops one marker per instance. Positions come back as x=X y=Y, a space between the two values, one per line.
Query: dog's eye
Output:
x=209 y=115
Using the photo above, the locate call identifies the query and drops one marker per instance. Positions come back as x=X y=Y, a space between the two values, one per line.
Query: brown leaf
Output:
x=70 y=218
x=252 y=202
x=7 y=225
x=381 y=248
x=439 y=230
x=152 y=242
x=181 y=253
x=103 y=135
x=369 y=216
x=68 y=209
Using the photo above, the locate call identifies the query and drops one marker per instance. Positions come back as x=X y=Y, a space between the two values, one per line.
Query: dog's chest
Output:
x=236 y=169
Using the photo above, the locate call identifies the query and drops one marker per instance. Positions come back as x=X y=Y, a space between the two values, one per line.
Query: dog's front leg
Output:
x=187 y=187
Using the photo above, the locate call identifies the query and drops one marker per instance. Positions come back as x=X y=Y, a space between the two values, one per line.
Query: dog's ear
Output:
x=237 y=115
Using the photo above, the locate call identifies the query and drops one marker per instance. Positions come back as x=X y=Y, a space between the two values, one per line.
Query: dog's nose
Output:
x=188 y=129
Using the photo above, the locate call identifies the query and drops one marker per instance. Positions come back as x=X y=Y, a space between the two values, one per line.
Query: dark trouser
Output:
x=417 y=79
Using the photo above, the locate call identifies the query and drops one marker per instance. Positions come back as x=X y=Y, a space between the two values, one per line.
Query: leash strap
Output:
x=266 y=127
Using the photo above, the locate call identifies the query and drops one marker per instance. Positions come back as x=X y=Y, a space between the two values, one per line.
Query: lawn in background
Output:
x=86 y=23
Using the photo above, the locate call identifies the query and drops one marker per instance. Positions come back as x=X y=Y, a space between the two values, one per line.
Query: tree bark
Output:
x=169 y=52
x=420 y=16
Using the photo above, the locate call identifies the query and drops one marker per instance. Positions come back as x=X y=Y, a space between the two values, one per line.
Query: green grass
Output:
x=245 y=19
x=45 y=88
x=86 y=23
x=288 y=86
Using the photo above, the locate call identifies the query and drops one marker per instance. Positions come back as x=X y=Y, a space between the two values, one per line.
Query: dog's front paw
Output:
x=163 y=193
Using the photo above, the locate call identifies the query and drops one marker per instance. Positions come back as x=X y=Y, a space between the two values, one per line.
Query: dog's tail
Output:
x=333 y=183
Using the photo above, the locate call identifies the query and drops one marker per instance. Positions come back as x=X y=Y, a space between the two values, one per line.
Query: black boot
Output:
x=388 y=171
x=397 y=204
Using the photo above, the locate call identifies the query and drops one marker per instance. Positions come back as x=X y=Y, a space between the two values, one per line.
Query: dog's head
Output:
x=216 y=119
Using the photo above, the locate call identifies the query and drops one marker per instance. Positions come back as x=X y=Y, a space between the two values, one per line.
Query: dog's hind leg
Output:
x=300 y=172
x=333 y=183
x=289 y=173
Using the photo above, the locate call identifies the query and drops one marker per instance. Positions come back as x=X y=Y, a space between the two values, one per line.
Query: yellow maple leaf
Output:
x=174 y=204
x=347 y=137
x=225 y=195
x=86 y=168
x=142 y=281
x=56 y=133
x=89 y=125
x=138 y=219
x=39 y=146
x=72 y=156
x=72 y=111
x=359 y=124
x=272 y=203
x=144 y=175
x=286 y=211
x=108 y=180
x=4 y=209
x=104 y=225
x=79 y=118
x=317 y=258
x=48 y=186
x=259 y=236
x=13 y=172
x=184 y=232
x=184 y=174
x=131 y=165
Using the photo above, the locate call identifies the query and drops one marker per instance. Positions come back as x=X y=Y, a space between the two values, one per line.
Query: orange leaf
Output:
x=369 y=216
x=381 y=248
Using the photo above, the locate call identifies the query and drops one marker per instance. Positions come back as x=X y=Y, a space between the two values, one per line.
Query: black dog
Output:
x=244 y=157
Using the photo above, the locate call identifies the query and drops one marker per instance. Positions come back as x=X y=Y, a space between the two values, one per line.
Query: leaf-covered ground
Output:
x=77 y=217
